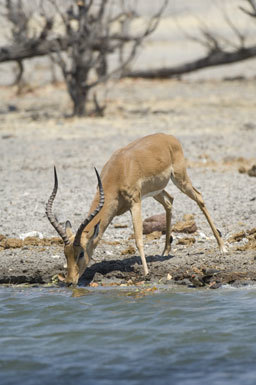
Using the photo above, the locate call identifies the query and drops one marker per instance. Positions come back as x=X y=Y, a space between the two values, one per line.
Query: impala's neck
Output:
x=105 y=216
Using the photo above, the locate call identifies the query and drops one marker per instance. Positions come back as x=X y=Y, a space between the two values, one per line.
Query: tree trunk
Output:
x=79 y=95
x=79 y=105
x=76 y=80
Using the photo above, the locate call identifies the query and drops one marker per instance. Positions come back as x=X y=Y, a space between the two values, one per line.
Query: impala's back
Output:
x=144 y=167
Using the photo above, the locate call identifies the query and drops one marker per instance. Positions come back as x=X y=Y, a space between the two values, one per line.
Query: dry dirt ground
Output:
x=215 y=122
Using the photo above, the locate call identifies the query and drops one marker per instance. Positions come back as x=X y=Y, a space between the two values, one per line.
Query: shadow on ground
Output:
x=128 y=268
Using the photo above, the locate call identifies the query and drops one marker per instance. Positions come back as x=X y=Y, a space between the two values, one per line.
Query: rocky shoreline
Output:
x=189 y=268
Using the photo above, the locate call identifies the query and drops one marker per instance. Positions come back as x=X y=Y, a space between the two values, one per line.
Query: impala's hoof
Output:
x=147 y=277
x=165 y=253
x=145 y=271
x=223 y=250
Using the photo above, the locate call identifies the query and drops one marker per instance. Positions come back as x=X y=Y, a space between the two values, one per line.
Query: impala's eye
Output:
x=81 y=255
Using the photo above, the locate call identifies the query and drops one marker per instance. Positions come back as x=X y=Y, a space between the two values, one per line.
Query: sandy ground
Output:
x=215 y=122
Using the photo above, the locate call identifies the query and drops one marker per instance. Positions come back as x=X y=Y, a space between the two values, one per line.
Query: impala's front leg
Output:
x=138 y=232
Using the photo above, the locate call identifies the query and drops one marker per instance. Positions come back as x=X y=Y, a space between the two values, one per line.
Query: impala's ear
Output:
x=68 y=228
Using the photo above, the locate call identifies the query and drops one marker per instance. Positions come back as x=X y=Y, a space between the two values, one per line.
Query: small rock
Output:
x=186 y=241
x=158 y=223
x=155 y=223
x=197 y=280
x=242 y=170
x=36 y=234
x=129 y=250
x=210 y=272
x=215 y=285
x=154 y=235
x=252 y=171
x=55 y=256
x=12 y=108
x=249 y=126
x=202 y=235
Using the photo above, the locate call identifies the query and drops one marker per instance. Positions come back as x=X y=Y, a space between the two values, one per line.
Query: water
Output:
x=48 y=336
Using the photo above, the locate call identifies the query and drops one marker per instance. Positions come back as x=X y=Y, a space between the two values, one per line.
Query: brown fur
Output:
x=142 y=168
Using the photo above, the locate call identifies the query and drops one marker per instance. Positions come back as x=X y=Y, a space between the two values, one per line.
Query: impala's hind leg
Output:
x=166 y=200
x=183 y=182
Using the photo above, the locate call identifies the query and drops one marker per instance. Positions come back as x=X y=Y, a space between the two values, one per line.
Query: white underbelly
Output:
x=151 y=194
x=155 y=184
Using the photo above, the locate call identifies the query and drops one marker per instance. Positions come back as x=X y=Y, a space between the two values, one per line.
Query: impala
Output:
x=140 y=170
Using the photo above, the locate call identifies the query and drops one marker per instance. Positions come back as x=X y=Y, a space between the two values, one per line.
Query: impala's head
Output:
x=78 y=247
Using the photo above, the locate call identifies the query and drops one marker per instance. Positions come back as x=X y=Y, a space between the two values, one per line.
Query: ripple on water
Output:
x=111 y=336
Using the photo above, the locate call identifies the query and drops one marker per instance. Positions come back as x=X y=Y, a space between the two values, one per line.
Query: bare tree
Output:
x=90 y=34
x=91 y=30
x=21 y=35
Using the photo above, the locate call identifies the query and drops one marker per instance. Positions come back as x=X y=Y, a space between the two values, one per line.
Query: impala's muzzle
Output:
x=68 y=281
x=72 y=279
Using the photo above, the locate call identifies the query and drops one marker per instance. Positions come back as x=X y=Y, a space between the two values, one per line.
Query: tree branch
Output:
x=252 y=13
x=38 y=47
x=215 y=59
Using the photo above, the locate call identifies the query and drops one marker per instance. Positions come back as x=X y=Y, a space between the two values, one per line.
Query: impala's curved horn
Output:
x=93 y=214
x=50 y=214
